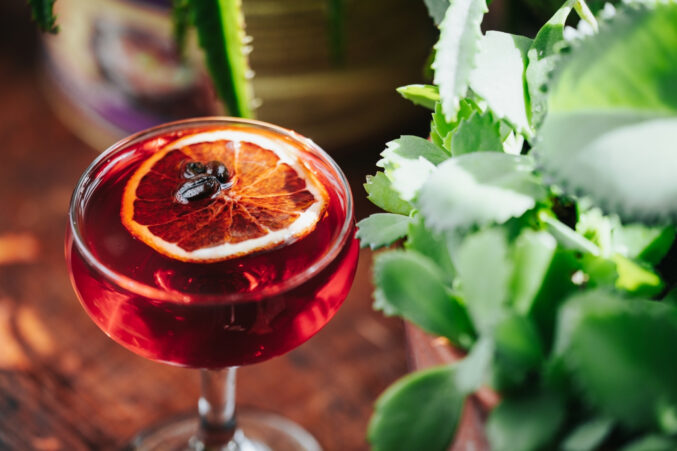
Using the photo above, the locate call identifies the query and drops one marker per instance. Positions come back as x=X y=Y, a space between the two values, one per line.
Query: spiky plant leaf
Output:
x=479 y=188
x=381 y=193
x=498 y=77
x=408 y=161
x=456 y=51
x=220 y=28
x=543 y=57
x=42 y=12
x=527 y=422
x=612 y=116
x=478 y=133
x=382 y=229
x=618 y=352
x=413 y=286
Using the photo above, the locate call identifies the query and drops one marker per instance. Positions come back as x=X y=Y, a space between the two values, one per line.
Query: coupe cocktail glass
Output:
x=214 y=316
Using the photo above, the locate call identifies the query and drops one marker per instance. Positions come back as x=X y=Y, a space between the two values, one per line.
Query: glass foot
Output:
x=257 y=431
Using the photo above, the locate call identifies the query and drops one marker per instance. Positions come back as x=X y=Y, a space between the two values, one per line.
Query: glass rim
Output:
x=155 y=293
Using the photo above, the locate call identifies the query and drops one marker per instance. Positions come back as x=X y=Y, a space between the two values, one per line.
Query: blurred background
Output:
x=112 y=70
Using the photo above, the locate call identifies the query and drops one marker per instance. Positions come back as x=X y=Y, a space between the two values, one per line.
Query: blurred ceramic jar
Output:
x=113 y=68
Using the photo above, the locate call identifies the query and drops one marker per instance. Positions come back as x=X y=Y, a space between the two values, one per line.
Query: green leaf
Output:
x=532 y=255
x=479 y=132
x=382 y=194
x=42 y=12
x=498 y=77
x=408 y=161
x=481 y=254
x=430 y=244
x=649 y=244
x=423 y=95
x=220 y=27
x=472 y=370
x=420 y=411
x=456 y=51
x=589 y=435
x=525 y=423
x=413 y=286
x=180 y=22
x=636 y=279
x=382 y=229
x=409 y=147
x=441 y=129
x=543 y=57
x=437 y=9
x=612 y=116
x=519 y=350
x=479 y=188
x=566 y=236
x=616 y=351
x=652 y=442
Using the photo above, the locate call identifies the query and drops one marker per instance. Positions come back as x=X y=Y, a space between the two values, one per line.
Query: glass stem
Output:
x=217 y=409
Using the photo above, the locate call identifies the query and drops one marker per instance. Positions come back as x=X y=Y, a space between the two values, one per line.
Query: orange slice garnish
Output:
x=222 y=194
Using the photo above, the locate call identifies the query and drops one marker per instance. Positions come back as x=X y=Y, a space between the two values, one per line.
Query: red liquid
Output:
x=190 y=330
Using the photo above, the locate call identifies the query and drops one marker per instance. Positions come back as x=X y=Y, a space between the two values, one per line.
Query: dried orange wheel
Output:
x=222 y=194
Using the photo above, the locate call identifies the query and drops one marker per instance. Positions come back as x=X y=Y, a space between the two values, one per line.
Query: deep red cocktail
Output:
x=212 y=243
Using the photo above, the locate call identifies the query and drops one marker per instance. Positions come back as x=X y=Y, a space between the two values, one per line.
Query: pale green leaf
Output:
x=498 y=77
x=456 y=51
x=479 y=188
x=543 y=57
x=613 y=116
x=408 y=162
x=381 y=193
x=637 y=241
x=566 y=236
x=423 y=95
x=479 y=132
x=413 y=286
x=533 y=253
x=437 y=9
x=484 y=269
x=382 y=229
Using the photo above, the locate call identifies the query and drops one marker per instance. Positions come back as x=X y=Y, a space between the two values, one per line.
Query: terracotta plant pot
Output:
x=427 y=351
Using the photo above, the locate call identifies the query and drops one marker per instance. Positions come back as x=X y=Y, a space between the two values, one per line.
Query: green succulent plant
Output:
x=536 y=231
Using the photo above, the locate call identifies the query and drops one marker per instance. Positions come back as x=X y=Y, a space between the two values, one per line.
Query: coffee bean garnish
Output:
x=198 y=188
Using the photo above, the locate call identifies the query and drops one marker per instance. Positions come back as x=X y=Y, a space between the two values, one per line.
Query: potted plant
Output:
x=537 y=233
x=114 y=67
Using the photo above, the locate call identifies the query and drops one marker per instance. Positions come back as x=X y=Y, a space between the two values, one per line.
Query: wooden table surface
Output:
x=63 y=384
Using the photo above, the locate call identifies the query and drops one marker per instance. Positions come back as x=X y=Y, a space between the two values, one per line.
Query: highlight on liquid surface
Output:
x=210 y=236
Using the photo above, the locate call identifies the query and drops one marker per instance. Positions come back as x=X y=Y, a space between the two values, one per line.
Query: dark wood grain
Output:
x=63 y=384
